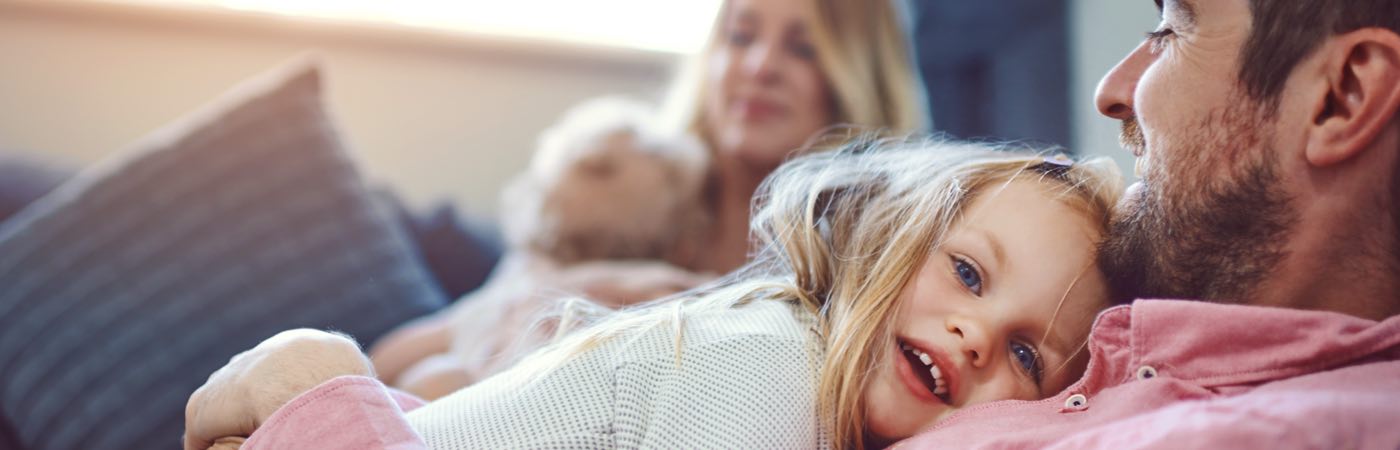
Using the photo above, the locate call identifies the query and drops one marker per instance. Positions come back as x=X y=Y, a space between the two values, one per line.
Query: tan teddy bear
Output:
x=606 y=185
x=604 y=188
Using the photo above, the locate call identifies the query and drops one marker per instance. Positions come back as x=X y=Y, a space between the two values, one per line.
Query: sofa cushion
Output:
x=125 y=287
x=25 y=177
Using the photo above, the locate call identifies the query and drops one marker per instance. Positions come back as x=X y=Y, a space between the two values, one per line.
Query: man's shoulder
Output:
x=1374 y=378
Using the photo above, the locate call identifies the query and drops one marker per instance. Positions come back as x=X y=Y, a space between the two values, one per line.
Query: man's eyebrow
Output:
x=1188 y=10
x=1185 y=8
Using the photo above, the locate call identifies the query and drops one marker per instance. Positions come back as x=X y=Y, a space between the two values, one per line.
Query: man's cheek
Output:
x=1161 y=147
x=1148 y=94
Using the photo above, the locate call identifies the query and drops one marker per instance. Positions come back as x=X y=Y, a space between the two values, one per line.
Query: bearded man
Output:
x=1269 y=150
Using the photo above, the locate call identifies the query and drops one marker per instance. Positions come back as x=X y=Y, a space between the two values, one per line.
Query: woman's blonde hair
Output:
x=840 y=233
x=862 y=51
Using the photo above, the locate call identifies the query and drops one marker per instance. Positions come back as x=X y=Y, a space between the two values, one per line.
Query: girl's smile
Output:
x=927 y=372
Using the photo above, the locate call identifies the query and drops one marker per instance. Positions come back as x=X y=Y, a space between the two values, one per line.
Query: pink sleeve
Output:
x=406 y=401
x=348 y=412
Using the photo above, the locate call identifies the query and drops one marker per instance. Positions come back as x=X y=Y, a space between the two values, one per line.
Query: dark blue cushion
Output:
x=123 y=289
x=24 y=178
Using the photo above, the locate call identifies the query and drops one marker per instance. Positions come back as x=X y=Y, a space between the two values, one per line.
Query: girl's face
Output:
x=974 y=325
x=765 y=92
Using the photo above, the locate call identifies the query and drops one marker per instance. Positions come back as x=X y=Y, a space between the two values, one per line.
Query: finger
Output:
x=227 y=443
x=215 y=413
x=192 y=442
x=191 y=439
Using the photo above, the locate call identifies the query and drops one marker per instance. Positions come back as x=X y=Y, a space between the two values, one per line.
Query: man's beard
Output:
x=1213 y=237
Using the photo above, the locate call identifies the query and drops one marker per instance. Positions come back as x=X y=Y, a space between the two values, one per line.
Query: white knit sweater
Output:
x=746 y=378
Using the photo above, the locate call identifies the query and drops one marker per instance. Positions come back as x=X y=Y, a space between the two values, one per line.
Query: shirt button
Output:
x=1076 y=401
x=1146 y=372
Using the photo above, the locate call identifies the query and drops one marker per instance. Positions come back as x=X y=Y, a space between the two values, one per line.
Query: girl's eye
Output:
x=968 y=274
x=1028 y=358
x=1159 y=38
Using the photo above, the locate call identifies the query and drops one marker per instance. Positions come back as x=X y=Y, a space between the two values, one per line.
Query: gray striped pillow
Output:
x=122 y=290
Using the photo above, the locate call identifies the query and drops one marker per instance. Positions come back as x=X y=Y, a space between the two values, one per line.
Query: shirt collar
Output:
x=1216 y=344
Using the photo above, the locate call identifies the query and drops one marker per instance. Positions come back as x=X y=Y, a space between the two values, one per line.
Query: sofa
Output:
x=125 y=284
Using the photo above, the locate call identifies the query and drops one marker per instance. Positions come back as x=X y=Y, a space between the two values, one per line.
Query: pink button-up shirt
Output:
x=1161 y=374
x=1178 y=374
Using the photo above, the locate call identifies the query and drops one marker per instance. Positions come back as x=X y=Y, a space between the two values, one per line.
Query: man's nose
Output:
x=973 y=340
x=1114 y=97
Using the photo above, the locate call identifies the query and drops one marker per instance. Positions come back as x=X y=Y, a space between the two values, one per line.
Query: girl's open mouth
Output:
x=925 y=371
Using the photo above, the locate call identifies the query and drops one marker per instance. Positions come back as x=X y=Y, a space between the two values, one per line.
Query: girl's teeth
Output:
x=942 y=386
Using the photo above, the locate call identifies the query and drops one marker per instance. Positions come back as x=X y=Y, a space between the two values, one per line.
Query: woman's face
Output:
x=974 y=324
x=765 y=93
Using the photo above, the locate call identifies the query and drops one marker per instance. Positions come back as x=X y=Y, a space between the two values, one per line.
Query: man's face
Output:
x=1208 y=219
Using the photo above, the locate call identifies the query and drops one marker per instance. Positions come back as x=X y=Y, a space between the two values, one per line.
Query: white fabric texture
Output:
x=746 y=378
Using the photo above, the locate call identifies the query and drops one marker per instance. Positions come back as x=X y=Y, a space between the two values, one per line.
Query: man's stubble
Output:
x=1209 y=222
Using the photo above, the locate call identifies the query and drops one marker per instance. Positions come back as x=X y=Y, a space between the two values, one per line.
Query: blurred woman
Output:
x=774 y=74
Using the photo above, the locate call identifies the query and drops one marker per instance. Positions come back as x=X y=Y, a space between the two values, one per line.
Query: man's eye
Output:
x=1028 y=358
x=1159 y=38
x=967 y=274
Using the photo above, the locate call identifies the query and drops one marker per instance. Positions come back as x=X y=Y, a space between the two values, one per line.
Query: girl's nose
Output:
x=973 y=341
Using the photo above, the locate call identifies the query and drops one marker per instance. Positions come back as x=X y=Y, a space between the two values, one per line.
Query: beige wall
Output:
x=434 y=116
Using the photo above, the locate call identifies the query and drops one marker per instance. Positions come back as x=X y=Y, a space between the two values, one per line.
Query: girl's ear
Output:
x=1362 y=73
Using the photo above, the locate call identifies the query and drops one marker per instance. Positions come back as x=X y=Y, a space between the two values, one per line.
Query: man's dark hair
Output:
x=1286 y=31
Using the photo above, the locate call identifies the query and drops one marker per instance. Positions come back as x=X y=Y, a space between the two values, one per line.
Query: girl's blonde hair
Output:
x=840 y=233
x=862 y=51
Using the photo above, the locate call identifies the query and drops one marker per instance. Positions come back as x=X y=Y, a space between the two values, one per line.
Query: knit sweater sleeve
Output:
x=746 y=391
x=742 y=379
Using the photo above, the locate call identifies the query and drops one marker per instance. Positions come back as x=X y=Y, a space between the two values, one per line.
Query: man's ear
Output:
x=1362 y=69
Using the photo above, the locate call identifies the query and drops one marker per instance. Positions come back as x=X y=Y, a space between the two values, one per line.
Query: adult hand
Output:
x=242 y=395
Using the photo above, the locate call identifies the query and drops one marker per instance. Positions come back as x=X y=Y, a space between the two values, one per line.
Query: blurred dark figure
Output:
x=996 y=69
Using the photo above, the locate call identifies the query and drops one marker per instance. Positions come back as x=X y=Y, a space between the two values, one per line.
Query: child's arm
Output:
x=435 y=377
x=432 y=335
x=409 y=344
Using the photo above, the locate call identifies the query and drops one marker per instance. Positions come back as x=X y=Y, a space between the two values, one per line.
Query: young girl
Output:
x=896 y=283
